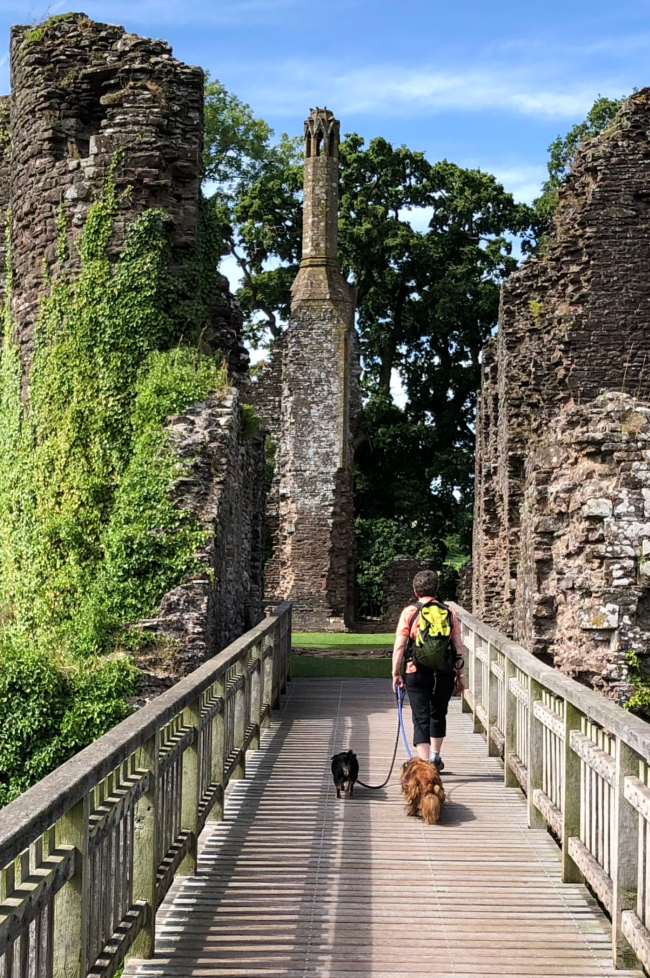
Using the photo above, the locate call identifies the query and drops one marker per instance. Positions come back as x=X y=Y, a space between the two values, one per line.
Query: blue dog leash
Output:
x=399 y=694
x=400 y=699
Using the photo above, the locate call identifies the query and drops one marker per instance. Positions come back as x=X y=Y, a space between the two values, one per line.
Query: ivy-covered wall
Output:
x=117 y=332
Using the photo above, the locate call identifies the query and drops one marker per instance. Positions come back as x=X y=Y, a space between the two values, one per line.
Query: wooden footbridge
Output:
x=202 y=836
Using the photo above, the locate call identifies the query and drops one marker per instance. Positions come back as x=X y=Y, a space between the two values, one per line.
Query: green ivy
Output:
x=90 y=537
x=639 y=701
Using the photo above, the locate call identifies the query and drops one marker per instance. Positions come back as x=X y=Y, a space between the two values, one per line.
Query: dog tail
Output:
x=431 y=807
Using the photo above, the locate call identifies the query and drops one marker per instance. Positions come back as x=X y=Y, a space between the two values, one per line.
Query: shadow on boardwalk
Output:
x=295 y=883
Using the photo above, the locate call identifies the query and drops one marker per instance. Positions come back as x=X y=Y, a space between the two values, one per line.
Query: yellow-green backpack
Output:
x=432 y=645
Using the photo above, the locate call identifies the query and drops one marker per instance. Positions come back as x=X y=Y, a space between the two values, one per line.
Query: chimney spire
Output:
x=321 y=195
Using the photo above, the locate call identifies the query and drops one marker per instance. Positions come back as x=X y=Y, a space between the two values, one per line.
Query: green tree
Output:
x=237 y=145
x=427 y=301
x=256 y=194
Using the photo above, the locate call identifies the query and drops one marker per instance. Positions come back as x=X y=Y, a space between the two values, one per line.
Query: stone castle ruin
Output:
x=308 y=398
x=561 y=555
x=87 y=98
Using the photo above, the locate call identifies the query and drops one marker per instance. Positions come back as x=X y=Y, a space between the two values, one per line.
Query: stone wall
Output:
x=398 y=587
x=81 y=92
x=265 y=393
x=464 y=587
x=224 y=488
x=573 y=325
x=488 y=550
x=5 y=176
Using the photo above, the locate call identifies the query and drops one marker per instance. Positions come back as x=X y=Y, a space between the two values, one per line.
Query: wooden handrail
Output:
x=88 y=853
x=633 y=730
x=584 y=765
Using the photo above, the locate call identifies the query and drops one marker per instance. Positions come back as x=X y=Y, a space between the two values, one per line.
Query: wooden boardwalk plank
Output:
x=295 y=884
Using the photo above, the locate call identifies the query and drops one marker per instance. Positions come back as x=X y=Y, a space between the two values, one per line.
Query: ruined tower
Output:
x=309 y=400
x=86 y=98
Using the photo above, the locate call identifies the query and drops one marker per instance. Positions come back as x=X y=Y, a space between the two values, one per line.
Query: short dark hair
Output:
x=425 y=583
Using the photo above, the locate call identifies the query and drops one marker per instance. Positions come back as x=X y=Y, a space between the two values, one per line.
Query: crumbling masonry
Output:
x=308 y=398
x=81 y=92
x=562 y=517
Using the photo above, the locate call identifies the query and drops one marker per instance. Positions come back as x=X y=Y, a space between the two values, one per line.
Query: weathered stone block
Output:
x=598 y=617
x=601 y=508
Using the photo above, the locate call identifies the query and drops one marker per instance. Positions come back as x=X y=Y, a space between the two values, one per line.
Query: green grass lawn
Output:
x=315 y=666
x=344 y=641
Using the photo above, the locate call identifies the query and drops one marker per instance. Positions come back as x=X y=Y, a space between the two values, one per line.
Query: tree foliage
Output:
x=426 y=246
x=563 y=149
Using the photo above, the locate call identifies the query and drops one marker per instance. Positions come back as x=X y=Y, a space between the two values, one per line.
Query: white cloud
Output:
x=395 y=90
x=524 y=182
x=614 y=46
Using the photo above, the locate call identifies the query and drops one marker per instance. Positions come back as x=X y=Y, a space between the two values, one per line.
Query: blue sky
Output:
x=483 y=84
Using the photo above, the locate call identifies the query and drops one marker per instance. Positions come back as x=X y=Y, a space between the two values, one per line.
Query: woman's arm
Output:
x=398 y=655
x=457 y=645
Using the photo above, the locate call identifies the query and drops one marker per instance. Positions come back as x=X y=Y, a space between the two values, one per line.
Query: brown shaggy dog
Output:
x=422 y=789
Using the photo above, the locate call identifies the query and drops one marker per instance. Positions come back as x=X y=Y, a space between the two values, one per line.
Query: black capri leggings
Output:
x=429 y=695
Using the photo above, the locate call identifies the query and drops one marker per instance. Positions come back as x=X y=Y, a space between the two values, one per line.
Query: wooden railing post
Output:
x=535 y=756
x=285 y=641
x=476 y=683
x=239 y=771
x=267 y=678
x=492 y=704
x=625 y=854
x=571 y=795
x=71 y=904
x=465 y=707
x=510 y=733
x=218 y=751
x=145 y=848
x=278 y=651
x=289 y=646
x=191 y=787
x=256 y=697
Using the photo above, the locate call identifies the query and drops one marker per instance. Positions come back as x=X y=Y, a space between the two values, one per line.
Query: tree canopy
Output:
x=427 y=246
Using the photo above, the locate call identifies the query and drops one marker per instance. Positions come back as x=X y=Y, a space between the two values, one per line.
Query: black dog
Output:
x=345 y=767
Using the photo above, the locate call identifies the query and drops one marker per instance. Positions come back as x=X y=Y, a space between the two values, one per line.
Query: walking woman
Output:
x=427 y=660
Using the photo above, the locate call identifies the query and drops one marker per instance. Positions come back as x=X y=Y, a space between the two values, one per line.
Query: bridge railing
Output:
x=88 y=854
x=584 y=765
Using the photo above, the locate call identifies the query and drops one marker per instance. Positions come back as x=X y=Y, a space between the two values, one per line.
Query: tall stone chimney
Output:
x=313 y=558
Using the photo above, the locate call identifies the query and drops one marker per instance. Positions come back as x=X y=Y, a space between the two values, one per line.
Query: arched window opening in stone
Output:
x=307 y=146
x=319 y=142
